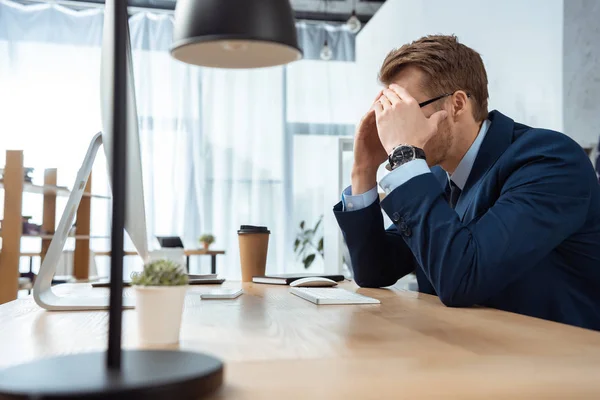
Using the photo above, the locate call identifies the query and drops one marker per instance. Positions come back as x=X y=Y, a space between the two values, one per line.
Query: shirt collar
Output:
x=462 y=172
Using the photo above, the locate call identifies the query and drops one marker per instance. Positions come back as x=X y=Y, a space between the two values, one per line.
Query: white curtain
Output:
x=168 y=100
x=49 y=100
x=49 y=90
x=244 y=166
x=217 y=145
x=212 y=142
x=319 y=108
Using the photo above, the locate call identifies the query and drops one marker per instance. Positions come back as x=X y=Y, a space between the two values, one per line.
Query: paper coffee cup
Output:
x=254 y=244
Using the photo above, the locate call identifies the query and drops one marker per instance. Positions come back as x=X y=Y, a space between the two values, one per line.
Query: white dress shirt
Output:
x=414 y=168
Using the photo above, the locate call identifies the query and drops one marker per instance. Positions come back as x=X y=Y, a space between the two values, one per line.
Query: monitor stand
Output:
x=42 y=289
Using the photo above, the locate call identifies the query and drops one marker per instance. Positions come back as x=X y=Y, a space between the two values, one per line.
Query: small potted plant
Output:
x=207 y=240
x=159 y=293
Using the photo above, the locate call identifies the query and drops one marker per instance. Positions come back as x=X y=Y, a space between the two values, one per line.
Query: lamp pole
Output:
x=119 y=165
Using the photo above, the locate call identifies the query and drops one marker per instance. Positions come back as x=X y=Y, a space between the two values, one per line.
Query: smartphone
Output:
x=221 y=294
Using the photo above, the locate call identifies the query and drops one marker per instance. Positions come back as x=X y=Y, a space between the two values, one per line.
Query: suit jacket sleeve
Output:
x=542 y=202
x=379 y=257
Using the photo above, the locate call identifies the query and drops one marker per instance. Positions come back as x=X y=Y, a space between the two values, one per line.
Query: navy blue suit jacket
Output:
x=524 y=236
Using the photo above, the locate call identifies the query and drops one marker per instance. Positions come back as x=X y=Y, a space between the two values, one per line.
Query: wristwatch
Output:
x=403 y=154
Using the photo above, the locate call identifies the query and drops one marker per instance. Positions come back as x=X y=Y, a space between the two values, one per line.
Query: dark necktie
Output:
x=454 y=194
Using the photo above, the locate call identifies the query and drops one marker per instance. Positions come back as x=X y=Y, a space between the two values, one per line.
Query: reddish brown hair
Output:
x=448 y=66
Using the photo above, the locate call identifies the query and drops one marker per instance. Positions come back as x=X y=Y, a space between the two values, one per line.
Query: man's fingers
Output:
x=385 y=102
x=438 y=117
x=378 y=96
x=391 y=96
x=402 y=94
x=378 y=108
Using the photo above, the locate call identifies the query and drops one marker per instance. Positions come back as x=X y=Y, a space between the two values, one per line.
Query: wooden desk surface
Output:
x=276 y=345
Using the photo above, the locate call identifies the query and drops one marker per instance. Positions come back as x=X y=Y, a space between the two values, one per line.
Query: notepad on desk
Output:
x=286 y=279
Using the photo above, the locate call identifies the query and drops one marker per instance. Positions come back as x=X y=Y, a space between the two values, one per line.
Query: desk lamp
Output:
x=211 y=33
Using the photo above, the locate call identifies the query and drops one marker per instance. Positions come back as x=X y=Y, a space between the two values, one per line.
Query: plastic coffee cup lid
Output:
x=246 y=229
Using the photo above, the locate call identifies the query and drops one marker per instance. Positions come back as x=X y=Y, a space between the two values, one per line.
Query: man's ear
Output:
x=460 y=103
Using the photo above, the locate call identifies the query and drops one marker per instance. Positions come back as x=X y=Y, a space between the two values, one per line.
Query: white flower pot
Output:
x=159 y=310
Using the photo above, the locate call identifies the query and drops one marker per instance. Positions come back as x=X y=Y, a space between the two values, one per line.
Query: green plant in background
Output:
x=207 y=238
x=305 y=246
x=160 y=273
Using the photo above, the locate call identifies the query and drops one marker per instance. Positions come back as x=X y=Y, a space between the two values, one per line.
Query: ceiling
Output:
x=322 y=10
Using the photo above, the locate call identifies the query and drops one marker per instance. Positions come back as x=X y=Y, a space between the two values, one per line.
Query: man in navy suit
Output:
x=486 y=211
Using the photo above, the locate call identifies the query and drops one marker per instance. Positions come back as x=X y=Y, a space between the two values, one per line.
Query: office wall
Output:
x=582 y=70
x=520 y=43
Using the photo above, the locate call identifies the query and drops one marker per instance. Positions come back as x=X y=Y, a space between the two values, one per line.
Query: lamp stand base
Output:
x=144 y=374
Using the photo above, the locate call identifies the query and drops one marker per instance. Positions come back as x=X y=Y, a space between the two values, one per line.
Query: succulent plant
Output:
x=160 y=273
x=208 y=239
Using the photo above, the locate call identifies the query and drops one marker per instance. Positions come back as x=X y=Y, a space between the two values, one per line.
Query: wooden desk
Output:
x=188 y=252
x=201 y=252
x=278 y=346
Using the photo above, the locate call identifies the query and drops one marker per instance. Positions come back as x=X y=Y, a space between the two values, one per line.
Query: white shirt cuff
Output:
x=403 y=174
x=359 y=201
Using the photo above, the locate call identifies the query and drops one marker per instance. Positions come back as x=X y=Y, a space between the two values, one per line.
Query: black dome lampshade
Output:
x=235 y=33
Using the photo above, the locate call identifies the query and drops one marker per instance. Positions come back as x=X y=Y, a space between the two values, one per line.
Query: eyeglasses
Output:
x=425 y=103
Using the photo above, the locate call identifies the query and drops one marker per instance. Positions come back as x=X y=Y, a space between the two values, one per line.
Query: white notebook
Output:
x=332 y=296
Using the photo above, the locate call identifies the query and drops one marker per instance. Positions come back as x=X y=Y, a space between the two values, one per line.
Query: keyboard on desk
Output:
x=332 y=296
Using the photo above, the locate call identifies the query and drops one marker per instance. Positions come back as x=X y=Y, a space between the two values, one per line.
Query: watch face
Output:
x=401 y=155
x=406 y=152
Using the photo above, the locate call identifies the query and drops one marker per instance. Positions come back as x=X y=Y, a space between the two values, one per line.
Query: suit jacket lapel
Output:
x=497 y=140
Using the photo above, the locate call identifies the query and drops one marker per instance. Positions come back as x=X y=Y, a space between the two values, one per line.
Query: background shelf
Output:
x=12 y=226
x=77 y=237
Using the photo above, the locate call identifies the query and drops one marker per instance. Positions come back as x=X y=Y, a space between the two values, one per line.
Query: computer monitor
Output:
x=135 y=216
